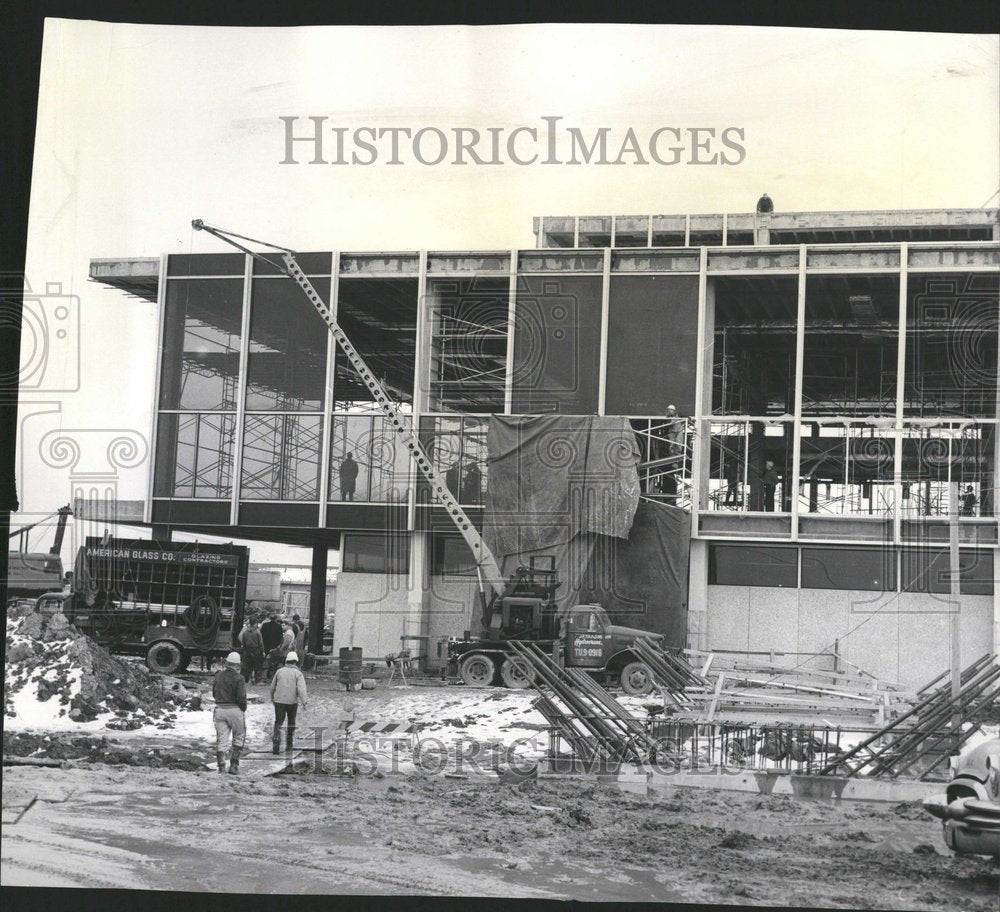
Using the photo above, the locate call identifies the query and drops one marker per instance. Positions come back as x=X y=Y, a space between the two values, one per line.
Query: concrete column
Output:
x=790 y=492
x=159 y=533
x=762 y=229
x=701 y=445
x=234 y=505
x=161 y=308
x=697 y=625
x=317 y=599
x=418 y=584
x=996 y=602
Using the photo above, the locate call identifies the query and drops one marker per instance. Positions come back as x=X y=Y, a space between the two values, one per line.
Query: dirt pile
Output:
x=54 y=672
x=98 y=750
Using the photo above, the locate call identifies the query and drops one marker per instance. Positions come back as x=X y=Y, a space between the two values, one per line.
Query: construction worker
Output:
x=300 y=640
x=253 y=654
x=270 y=632
x=288 y=693
x=287 y=639
x=230 y=693
x=765 y=205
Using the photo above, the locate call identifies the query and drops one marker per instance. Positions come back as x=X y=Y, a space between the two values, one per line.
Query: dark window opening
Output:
x=378 y=552
x=286 y=362
x=753 y=565
x=201 y=344
x=379 y=316
x=869 y=569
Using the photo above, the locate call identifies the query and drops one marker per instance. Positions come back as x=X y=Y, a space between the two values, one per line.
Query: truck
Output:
x=519 y=608
x=166 y=601
x=581 y=636
x=34 y=573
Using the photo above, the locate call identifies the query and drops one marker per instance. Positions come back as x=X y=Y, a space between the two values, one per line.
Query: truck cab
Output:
x=591 y=641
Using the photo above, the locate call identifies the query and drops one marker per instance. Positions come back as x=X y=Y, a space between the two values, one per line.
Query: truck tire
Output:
x=477 y=670
x=164 y=657
x=516 y=674
x=637 y=679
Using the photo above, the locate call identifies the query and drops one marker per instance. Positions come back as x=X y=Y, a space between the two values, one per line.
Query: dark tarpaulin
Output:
x=568 y=487
x=552 y=477
x=643 y=582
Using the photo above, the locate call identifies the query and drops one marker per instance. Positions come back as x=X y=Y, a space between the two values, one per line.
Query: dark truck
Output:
x=580 y=637
x=167 y=601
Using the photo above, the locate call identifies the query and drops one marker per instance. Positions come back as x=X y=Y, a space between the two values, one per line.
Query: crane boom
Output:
x=487 y=568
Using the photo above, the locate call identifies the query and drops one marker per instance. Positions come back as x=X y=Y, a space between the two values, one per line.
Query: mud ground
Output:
x=140 y=813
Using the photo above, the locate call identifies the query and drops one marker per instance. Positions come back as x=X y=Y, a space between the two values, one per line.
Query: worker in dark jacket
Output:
x=270 y=632
x=230 y=693
x=253 y=655
x=765 y=205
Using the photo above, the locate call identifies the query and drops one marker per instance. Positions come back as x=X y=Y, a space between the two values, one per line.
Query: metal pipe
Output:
x=882 y=732
x=938 y=714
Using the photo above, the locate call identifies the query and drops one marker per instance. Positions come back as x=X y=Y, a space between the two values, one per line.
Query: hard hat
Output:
x=234 y=659
x=291 y=657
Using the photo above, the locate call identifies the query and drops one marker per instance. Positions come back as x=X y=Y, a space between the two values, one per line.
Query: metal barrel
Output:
x=350 y=666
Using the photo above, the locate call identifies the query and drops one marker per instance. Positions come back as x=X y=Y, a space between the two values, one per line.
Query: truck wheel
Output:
x=516 y=674
x=637 y=679
x=477 y=670
x=164 y=658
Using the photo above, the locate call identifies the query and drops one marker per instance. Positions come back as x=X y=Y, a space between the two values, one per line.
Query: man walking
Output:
x=230 y=693
x=288 y=693
x=253 y=654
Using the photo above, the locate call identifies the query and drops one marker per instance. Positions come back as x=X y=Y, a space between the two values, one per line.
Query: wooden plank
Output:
x=715 y=698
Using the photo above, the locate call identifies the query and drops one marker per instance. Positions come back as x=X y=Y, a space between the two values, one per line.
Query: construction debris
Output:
x=704 y=717
x=738 y=689
x=585 y=715
x=56 y=676
x=932 y=730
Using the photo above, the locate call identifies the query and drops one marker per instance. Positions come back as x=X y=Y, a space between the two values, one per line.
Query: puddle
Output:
x=574 y=880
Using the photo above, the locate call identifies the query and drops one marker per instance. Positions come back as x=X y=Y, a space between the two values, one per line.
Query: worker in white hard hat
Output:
x=230 y=692
x=288 y=693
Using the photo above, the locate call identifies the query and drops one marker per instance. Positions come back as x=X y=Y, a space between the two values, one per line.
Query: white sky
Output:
x=142 y=128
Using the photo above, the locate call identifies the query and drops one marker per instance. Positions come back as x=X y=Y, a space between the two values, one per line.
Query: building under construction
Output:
x=832 y=375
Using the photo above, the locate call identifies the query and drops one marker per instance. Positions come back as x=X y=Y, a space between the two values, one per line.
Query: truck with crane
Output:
x=33 y=573
x=520 y=608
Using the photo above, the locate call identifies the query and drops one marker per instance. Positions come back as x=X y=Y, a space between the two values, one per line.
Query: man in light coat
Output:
x=287 y=639
x=288 y=693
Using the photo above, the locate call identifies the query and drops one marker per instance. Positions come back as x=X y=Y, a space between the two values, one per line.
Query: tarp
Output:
x=552 y=477
x=568 y=487
x=643 y=582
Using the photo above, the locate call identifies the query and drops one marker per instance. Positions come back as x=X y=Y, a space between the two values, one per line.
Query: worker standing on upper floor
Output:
x=765 y=205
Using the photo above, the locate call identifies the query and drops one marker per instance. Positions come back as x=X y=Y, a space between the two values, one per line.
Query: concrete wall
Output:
x=381 y=611
x=902 y=637
x=371 y=611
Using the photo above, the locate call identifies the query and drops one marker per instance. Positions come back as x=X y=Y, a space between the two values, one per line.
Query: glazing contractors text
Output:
x=311 y=140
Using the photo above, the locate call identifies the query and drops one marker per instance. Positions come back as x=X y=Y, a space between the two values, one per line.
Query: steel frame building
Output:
x=856 y=351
